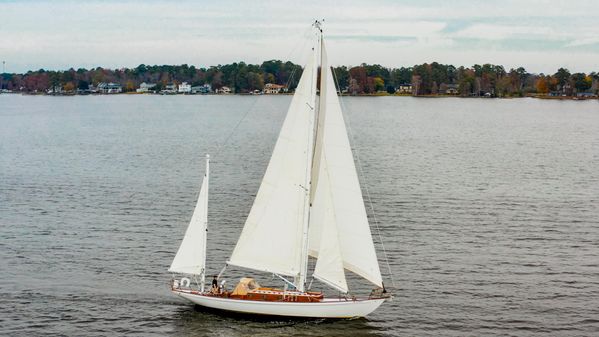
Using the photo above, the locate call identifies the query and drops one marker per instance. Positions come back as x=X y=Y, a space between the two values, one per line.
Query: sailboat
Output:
x=309 y=204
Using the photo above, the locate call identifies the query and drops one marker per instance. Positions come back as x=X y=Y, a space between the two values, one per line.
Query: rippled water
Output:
x=489 y=210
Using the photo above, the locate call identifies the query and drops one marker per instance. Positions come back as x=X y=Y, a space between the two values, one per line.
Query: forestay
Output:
x=271 y=239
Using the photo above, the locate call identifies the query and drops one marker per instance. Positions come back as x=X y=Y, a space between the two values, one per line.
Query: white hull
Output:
x=328 y=308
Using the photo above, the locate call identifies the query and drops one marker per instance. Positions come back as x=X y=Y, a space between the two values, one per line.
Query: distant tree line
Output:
x=424 y=79
x=240 y=77
x=487 y=79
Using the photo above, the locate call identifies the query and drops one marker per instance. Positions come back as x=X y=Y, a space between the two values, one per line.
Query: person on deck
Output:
x=214 y=289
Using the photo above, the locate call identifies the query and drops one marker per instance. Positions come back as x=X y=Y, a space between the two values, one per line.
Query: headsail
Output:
x=338 y=199
x=329 y=266
x=271 y=239
x=191 y=256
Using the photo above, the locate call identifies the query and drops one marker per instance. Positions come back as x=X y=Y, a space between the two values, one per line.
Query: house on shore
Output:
x=202 y=89
x=109 y=88
x=184 y=88
x=405 y=88
x=145 y=87
x=223 y=90
x=169 y=89
x=271 y=88
x=566 y=89
x=55 y=90
x=452 y=89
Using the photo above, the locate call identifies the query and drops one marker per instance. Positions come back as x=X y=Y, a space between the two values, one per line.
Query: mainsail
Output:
x=191 y=256
x=271 y=239
x=338 y=206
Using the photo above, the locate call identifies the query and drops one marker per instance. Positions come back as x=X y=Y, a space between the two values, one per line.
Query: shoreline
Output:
x=572 y=98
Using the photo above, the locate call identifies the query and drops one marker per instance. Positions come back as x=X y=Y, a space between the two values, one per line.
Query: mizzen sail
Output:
x=191 y=256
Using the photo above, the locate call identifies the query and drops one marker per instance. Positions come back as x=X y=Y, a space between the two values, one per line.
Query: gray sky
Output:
x=540 y=35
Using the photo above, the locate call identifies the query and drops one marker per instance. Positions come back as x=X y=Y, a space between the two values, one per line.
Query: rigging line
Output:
x=221 y=145
x=305 y=39
x=361 y=170
x=295 y=68
x=230 y=135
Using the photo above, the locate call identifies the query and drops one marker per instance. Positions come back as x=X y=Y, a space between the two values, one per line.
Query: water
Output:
x=489 y=210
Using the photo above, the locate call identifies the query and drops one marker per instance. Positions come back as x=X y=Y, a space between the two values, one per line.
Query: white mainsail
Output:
x=271 y=239
x=191 y=256
x=338 y=206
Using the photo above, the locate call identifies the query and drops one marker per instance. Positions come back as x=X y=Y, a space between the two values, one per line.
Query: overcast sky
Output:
x=540 y=35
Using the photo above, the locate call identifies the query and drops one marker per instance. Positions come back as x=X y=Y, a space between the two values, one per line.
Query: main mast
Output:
x=300 y=281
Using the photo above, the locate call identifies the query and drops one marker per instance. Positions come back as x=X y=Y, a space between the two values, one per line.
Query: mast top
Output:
x=318 y=24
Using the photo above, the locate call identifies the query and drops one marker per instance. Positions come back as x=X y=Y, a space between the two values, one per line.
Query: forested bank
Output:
x=424 y=79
